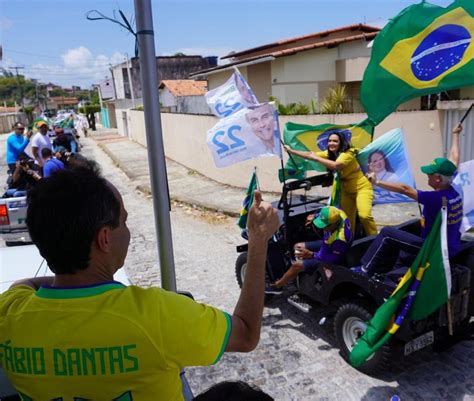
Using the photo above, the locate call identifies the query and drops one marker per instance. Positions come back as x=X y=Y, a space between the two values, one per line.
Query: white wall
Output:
x=185 y=142
x=166 y=98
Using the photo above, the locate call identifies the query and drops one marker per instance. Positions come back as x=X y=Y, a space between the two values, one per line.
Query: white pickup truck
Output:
x=13 y=220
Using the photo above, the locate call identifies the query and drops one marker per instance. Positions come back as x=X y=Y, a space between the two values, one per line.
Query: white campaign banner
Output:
x=232 y=96
x=245 y=134
x=464 y=184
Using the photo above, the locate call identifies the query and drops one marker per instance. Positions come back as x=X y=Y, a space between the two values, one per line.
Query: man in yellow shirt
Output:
x=80 y=335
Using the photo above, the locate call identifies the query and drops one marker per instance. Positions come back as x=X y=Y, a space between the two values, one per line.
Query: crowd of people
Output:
x=24 y=171
x=97 y=336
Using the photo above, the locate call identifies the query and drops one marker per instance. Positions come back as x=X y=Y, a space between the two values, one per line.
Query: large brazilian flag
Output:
x=425 y=49
x=314 y=138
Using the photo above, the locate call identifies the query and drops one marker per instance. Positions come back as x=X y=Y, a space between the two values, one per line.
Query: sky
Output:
x=54 y=42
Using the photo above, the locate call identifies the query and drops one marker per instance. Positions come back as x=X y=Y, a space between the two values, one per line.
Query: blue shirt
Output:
x=51 y=166
x=16 y=144
x=432 y=202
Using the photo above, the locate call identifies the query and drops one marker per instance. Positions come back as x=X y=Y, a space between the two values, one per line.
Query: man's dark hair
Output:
x=46 y=152
x=233 y=391
x=17 y=123
x=64 y=213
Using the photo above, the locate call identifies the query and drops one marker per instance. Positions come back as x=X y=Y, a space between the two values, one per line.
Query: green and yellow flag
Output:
x=423 y=50
x=314 y=138
x=247 y=202
x=424 y=288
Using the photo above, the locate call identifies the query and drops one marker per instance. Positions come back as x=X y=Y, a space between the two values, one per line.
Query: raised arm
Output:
x=247 y=317
x=454 y=153
x=394 y=187
x=20 y=147
x=330 y=164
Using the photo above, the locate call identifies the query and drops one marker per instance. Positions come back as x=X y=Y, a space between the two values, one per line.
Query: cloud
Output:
x=77 y=58
x=79 y=67
x=5 y=24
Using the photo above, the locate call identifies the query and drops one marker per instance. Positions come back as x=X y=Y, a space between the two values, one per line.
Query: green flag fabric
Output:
x=291 y=173
x=247 y=203
x=423 y=289
x=423 y=50
x=314 y=138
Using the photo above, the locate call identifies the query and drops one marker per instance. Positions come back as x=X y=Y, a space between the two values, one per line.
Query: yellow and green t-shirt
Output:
x=105 y=342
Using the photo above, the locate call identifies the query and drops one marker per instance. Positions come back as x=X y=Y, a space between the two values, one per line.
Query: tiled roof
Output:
x=356 y=27
x=184 y=87
x=288 y=52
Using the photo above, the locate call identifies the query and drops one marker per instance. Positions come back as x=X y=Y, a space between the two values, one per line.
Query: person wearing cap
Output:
x=337 y=240
x=384 y=251
x=40 y=141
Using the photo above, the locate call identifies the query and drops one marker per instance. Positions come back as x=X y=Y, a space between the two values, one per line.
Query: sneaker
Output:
x=359 y=270
x=272 y=290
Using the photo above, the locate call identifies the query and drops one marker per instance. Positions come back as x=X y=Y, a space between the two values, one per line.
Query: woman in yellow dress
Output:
x=356 y=191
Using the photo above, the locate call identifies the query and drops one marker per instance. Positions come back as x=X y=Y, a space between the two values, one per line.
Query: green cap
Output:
x=327 y=215
x=440 y=165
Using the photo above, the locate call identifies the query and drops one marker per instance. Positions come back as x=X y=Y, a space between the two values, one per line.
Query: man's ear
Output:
x=102 y=239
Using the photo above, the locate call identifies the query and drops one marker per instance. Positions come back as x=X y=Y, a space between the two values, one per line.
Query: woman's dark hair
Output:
x=380 y=152
x=233 y=391
x=64 y=213
x=343 y=145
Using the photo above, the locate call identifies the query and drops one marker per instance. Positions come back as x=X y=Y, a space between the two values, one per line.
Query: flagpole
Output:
x=154 y=137
x=466 y=114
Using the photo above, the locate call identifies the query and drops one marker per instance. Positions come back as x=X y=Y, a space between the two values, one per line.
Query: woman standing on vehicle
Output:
x=356 y=193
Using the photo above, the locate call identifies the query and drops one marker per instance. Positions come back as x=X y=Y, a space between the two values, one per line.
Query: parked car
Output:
x=350 y=299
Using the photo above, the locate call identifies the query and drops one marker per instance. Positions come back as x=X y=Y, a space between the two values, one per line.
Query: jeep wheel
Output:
x=349 y=326
x=241 y=268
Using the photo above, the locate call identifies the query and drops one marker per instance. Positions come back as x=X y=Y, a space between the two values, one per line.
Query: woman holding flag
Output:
x=352 y=191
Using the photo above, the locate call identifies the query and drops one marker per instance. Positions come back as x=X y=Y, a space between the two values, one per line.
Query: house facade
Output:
x=304 y=68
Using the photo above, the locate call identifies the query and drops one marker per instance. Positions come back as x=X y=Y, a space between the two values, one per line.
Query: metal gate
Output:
x=466 y=141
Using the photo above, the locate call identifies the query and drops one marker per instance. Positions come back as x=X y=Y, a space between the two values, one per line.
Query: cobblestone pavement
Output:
x=296 y=358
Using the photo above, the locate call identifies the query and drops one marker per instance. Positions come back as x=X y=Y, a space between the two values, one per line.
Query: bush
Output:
x=336 y=101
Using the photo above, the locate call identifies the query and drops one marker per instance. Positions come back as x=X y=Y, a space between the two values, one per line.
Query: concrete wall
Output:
x=166 y=98
x=192 y=105
x=259 y=79
x=185 y=142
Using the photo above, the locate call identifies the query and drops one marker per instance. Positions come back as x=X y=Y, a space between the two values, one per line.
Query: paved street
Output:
x=296 y=358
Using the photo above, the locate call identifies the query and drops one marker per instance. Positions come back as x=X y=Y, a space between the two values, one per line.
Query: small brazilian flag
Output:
x=247 y=203
x=423 y=50
x=314 y=138
x=424 y=288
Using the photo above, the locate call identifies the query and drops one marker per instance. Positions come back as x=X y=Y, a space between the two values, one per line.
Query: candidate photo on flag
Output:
x=388 y=159
x=314 y=138
x=234 y=95
x=246 y=134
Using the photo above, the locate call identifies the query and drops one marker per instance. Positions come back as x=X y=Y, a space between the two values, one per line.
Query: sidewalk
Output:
x=185 y=185
x=190 y=187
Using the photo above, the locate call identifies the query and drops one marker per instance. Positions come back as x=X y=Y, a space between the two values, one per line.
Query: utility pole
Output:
x=20 y=85
x=156 y=154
